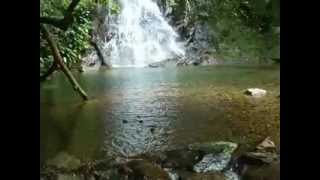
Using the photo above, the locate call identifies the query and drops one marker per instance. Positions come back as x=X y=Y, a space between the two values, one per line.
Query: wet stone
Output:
x=212 y=162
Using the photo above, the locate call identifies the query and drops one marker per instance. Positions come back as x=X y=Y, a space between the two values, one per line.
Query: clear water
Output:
x=136 y=110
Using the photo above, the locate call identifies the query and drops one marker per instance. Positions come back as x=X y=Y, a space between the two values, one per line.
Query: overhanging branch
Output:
x=62 y=22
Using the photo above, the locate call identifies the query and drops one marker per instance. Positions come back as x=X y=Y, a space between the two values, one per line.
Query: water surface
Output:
x=136 y=110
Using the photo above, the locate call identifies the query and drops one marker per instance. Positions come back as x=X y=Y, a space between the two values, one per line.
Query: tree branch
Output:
x=62 y=22
x=59 y=61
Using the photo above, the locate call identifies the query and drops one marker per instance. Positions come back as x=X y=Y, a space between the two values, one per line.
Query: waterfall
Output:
x=140 y=35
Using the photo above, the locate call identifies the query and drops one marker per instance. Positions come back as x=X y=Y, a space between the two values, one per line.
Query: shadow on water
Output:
x=132 y=111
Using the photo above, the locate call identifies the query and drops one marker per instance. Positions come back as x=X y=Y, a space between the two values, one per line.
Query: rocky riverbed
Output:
x=212 y=161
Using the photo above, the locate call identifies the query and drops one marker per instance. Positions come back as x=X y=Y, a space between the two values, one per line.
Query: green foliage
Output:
x=75 y=41
x=244 y=27
x=72 y=43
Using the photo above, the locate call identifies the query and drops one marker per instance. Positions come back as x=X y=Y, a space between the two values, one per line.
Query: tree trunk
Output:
x=59 y=61
x=99 y=53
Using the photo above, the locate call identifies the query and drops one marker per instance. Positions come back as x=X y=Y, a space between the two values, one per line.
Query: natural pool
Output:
x=137 y=110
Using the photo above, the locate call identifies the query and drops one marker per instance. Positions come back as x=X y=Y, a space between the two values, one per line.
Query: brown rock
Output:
x=142 y=169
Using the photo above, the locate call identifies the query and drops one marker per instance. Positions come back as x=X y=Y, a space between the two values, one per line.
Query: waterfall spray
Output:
x=140 y=35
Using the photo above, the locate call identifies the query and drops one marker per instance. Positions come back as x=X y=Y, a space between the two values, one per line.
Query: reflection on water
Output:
x=138 y=110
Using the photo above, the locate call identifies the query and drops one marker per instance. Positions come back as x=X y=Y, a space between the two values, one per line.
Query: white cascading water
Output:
x=140 y=36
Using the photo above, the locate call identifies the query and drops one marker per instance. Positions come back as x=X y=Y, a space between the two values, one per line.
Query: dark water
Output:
x=139 y=110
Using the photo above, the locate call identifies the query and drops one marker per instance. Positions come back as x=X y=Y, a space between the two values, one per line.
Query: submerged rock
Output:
x=65 y=161
x=255 y=92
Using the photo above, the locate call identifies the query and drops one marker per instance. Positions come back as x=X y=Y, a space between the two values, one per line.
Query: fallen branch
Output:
x=58 y=59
